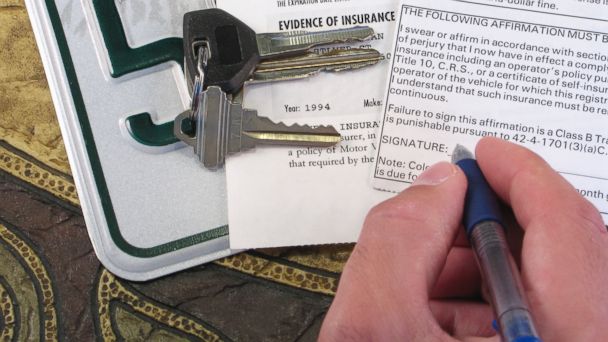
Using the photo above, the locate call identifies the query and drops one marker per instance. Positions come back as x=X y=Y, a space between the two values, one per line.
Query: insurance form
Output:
x=297 y=196
x=535 y=73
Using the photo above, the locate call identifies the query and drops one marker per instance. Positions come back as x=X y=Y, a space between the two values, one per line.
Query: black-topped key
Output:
x=235 y=50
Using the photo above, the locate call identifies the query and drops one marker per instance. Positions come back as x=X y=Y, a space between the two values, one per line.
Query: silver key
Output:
x=312 y=63
x=223 y=127
x=235 y=50
x=287 y=56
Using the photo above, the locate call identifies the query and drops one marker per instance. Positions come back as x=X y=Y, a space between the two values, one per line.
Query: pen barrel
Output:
x=502 y=279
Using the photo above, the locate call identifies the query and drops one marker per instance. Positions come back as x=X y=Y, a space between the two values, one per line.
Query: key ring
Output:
x=199 y=80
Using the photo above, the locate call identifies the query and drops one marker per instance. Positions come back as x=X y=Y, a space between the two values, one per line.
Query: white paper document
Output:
x=297 y=196
x=534 y=74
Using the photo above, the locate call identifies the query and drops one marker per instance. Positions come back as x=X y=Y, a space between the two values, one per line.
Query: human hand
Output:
x=413 y=277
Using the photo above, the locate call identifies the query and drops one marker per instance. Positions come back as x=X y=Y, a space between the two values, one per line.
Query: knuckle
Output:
x=401 y=207
x=360 y=255
x=586 y=213
x=381 y=210
x=361 y=266
x=342 y=331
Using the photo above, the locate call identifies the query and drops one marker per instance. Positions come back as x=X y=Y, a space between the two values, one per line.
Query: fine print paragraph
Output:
x=459 y=74
x=450 y=67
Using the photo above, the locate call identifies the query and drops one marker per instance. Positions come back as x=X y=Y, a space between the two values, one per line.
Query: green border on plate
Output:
x=106 y=202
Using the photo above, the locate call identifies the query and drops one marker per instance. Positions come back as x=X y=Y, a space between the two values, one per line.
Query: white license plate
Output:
x=114 y=69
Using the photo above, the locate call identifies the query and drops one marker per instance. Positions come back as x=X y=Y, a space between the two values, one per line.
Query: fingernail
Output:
x=436 y=174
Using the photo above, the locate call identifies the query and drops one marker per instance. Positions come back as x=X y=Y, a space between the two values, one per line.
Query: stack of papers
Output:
x=300 y=196
x=535 y=73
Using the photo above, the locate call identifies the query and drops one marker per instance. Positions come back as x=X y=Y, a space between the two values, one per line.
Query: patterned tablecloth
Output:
x=52 y=286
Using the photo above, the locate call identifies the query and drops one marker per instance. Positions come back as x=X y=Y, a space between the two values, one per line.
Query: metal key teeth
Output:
x=313 y=63
x=334 y=36
x=262 y=130
x=271 y=44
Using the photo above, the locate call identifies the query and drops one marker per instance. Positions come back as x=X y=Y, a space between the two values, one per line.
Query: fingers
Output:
x=565 y=246
x=531 y=186
x=419 y=226
x=385 y=287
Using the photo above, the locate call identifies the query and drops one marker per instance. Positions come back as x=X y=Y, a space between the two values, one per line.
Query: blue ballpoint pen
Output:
x=485 y=231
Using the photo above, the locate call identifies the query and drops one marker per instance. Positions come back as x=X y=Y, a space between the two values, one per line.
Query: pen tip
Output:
x=460 y=152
